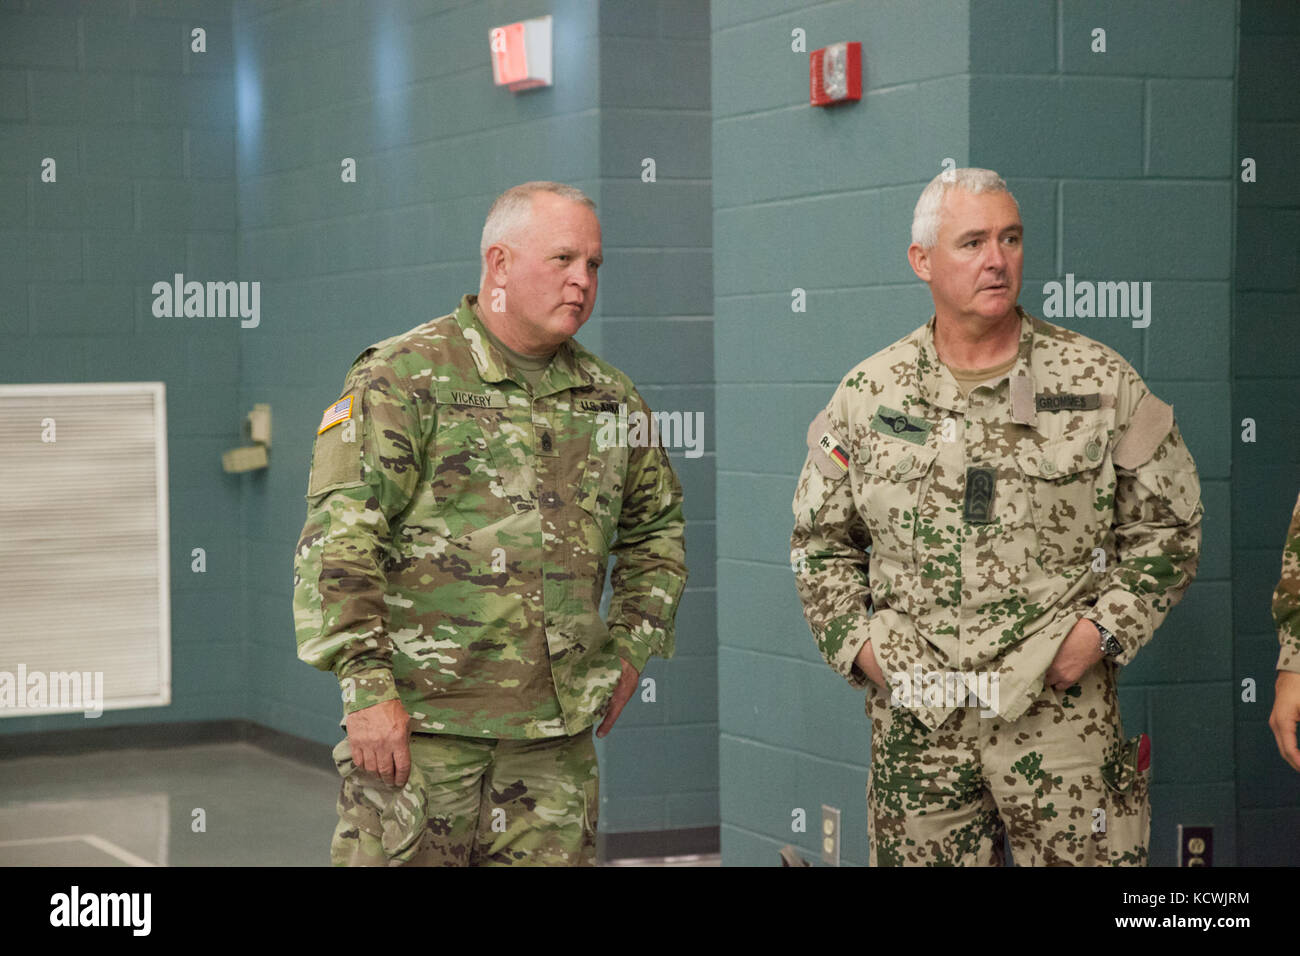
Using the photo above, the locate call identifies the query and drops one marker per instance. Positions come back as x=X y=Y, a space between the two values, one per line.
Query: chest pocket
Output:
x=479 y=464
x=891 y=477
x=601 y=490
x=1071 y=484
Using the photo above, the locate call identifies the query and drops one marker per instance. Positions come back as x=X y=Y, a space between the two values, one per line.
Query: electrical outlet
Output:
x=830 y=835
x=1195 y=846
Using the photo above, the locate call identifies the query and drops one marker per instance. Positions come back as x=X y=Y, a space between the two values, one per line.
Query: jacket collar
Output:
x=567 y=369
x=938 y=387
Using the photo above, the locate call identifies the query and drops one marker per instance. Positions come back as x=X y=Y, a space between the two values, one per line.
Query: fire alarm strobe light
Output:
x=835 y=74
x=521 y=54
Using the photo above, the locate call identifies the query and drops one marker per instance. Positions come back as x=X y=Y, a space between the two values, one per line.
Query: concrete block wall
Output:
x=1266 y=380
x=141 y=130
x=660 y=769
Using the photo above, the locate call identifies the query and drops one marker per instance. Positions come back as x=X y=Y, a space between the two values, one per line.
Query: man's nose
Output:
x=580 y=277
x=996 y=257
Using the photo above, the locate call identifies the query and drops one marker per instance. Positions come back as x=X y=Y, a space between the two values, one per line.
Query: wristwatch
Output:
x=1110 y=645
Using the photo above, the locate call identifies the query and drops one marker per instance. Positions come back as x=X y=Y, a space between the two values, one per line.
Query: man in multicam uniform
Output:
x=995 y=514
x=463 y=501
x=1286 y=616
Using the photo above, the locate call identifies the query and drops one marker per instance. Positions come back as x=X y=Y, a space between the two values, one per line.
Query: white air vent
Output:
x=84 y=583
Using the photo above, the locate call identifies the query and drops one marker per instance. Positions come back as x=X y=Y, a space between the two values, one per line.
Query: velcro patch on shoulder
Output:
x=336 y=456
x=340 y=411
x=1151 y=421
x=828 y=452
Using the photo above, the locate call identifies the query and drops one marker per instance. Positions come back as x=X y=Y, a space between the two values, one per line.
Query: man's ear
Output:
x=919 y=260
x=497 y=258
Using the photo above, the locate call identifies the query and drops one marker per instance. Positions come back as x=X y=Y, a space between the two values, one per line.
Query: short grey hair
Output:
x=509 y=212
x=929 y=208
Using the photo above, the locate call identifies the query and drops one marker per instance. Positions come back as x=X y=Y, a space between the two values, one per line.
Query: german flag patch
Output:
x=825 y=451
x=834 y=450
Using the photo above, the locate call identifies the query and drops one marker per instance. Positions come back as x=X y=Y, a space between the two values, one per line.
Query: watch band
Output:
x=1110 y=645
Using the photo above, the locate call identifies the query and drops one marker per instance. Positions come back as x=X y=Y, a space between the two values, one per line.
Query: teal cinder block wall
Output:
x=1266 y=381
x=1122 y=164
x=660 y=765
x=142 y=132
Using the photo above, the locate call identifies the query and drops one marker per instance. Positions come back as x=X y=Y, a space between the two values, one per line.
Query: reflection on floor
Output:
x=230 y=804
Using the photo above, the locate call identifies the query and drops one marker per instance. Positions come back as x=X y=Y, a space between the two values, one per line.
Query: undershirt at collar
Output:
x=531 y=367
x=968 y=378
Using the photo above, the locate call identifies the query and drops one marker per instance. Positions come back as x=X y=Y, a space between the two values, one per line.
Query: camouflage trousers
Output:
x=1061 y=784
x=472 y=803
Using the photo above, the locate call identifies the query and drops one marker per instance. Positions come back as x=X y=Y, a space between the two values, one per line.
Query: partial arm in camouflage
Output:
x=355 y=491
x=649 y=555
x=828 y=553
x=1286 y=599
x=1157 y=526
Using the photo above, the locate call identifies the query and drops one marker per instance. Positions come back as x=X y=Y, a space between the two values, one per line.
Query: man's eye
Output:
x=593 y=263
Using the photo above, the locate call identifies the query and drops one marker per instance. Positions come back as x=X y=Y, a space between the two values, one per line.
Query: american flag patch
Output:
x=340 y=411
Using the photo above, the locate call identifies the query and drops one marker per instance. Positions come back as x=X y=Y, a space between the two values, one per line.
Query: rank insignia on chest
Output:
x=907 y=427
x=834 y=450
x=980 y=481
x=340 y=411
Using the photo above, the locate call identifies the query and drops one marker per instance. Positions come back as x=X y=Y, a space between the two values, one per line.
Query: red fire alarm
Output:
x=835 y=74
x=521 y=54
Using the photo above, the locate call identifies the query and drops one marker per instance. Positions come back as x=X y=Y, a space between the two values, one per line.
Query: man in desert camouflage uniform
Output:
x=1286 y=617
x=463 y=501
x=995 y=514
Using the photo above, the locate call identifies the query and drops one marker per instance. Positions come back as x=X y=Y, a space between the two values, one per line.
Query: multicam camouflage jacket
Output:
x=458 y=532
x=1286 y=599
x=971 y=534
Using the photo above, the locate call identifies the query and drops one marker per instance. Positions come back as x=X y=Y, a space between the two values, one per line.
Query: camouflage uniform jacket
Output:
x=1286 y=599
x=457 y=537
x=970 y=534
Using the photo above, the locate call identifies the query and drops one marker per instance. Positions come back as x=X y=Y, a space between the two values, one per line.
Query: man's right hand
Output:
x=1286 y=714
x=866 y=662
x=380 y=738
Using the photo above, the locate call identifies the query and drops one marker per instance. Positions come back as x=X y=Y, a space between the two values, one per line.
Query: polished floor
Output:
x=229 y=804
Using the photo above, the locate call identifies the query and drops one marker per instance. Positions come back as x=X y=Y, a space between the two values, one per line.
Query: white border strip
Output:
x=98 y=842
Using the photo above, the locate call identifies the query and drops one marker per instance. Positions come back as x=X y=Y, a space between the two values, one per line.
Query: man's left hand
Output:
x=1079 y=651
x=622 y=694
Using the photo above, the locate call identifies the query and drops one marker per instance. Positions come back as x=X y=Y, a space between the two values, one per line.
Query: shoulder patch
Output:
x=828 y=452
x=1150 y=422
x=340 y=411
x=336 y=456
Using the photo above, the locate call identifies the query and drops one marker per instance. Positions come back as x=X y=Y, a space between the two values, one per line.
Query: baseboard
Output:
x=639 y=844
x=61 y=743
